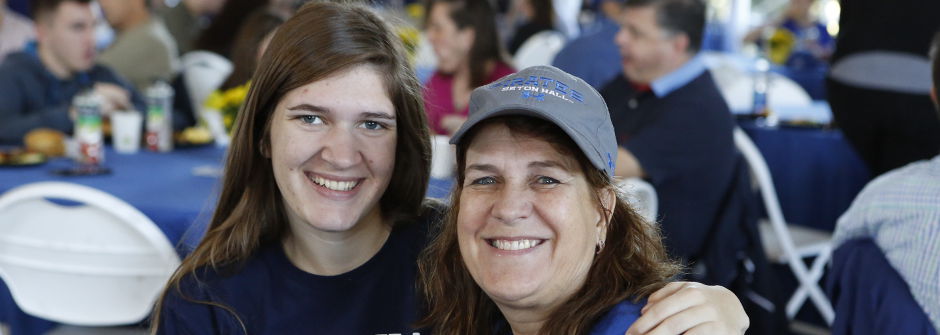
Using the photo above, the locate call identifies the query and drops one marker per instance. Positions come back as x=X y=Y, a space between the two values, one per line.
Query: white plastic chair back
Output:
x=642 y=196
x=203 y=72
x=101 y=263
x=778 y=237
x=738 y=91
x=566 y=17
x=443 y=160
x=540 y=49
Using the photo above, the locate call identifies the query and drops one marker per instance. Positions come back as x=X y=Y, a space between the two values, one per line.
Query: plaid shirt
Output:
x=900 y=211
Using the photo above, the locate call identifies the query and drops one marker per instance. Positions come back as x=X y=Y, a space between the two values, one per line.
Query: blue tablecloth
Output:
x=816 y=172
x=173 y=189
x=869 y=296
x=176 y=190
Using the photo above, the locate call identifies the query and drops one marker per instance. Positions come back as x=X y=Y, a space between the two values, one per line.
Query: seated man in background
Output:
x=672 y=124
x=144 y=50
x=37 y=86
x=900 y=212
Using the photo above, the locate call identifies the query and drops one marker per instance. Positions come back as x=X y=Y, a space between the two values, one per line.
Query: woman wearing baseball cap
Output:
x=538 y=239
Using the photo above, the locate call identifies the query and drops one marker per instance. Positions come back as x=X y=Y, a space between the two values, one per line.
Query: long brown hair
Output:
x=479 y=16
x=632 y=264
x=320 y=40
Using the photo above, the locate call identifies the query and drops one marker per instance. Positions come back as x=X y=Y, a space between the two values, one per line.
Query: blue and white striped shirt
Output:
x=900 y=211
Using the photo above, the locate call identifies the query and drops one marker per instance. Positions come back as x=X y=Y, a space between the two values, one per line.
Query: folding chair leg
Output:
x=811 y=288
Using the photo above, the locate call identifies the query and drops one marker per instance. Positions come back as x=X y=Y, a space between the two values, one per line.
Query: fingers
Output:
x=117 y=96
x=682 y=322
x=666 y=291
x=678 y=301
x=691 y=308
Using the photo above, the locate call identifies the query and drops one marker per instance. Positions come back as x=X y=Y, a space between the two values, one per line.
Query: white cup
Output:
x=125 y=131
x=442 y=158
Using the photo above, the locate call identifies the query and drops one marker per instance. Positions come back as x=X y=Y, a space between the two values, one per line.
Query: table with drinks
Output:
x=175 y=189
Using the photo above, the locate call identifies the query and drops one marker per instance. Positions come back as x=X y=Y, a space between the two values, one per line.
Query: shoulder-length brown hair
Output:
x=321 y=39
x=631 y=265
x=479 y=16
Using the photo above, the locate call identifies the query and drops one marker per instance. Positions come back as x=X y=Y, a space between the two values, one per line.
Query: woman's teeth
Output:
x=514 y=245
x=334 y=185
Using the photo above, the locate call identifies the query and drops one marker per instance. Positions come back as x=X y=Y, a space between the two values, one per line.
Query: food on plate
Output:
x=21 y=157
x=46 y=141
x=194 y=135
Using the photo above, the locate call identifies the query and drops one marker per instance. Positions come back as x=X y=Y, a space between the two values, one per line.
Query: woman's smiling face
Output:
x=333 y=150
x=528 y=223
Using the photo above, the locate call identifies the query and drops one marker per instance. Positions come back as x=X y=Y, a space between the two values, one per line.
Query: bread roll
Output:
x=47 y=141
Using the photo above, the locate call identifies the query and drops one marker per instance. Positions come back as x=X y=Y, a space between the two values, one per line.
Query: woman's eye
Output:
x=372 y=125
x=311 y=119
x=483 y=181
x=546 y=180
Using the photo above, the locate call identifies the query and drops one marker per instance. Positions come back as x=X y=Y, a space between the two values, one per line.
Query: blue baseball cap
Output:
x=553 y=95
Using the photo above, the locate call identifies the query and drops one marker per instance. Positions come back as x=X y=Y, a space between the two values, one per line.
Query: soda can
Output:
x=88 y=132
x=159 y=135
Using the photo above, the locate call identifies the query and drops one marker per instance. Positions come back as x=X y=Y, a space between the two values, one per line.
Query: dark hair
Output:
x=245 y=48
x=479 y=16
x=543 y=12
x=632 y=264
x=40 y=8
x=218 y=36
x=320 y=40
x=678 y=16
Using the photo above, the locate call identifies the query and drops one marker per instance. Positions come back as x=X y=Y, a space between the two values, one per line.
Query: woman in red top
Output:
x=469 y=54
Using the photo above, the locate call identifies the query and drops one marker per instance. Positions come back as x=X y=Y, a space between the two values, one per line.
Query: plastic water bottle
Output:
x=761 y=85
x=88 y=132
x=159 y=117
x=761 y=88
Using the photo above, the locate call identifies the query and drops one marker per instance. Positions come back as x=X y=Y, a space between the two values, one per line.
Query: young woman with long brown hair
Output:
x=321 y=218
x=323 y=186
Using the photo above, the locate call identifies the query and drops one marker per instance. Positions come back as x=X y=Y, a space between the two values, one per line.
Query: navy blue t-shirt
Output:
x=685 y=145
x=272 y=296
x=619 y=318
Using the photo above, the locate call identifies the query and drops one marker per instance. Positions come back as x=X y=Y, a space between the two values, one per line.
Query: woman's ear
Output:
x=608 y=198
x=264 y=146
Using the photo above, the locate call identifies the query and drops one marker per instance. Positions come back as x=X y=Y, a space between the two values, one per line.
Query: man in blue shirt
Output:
x=37 y=85
x=672 y=124
x=674 y=129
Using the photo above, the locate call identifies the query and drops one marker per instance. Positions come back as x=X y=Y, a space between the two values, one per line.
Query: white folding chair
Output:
x=641 y=195
x=99 y=263
x=540 y=49
x=203 y=72
x=785 y=243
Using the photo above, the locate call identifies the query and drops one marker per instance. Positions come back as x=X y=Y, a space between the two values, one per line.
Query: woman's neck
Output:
x=333 y=253
x=524 y=321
